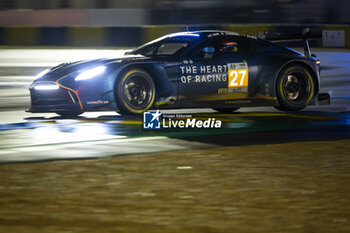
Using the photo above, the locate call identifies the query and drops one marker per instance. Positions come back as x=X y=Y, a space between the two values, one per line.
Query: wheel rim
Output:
x=296 y=87
x=137 y=91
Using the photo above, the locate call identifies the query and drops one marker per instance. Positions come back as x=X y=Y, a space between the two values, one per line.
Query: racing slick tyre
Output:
x=295 y=88
x=69 y=114
x=225 y=110
x=135 y=92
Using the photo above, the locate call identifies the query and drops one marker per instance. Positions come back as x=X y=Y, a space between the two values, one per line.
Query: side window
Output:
x=170 y=48
x=233 y=44
x=228 y=46
x=197 y=52
x=223 y=45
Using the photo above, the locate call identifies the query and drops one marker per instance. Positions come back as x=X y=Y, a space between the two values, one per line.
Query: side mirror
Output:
x=209 y=50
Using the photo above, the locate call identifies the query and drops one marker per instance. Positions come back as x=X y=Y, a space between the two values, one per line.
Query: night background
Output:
x=188 y=11
x=265 y=170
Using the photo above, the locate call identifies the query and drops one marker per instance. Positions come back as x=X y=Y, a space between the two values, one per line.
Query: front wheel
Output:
x=135 y=92
x=295 y=88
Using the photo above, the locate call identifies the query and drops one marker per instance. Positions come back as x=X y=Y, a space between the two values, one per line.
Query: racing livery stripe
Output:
x=81 y=106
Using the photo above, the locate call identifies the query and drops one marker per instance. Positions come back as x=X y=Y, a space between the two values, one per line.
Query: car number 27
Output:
x=238 y=78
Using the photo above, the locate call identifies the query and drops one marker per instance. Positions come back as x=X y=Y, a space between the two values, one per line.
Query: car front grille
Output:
x=52 y=97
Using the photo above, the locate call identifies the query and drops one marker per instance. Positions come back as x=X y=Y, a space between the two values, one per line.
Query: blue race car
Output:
x=200 y=69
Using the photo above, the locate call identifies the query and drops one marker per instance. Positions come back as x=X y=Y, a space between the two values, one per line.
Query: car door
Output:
x=206 y=79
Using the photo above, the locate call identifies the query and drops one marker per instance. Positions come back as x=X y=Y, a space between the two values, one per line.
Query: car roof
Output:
x=200 y=34
x=203 y=33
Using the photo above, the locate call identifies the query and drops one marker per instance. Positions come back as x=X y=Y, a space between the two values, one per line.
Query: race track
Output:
x=263 y=171
x=41 y=137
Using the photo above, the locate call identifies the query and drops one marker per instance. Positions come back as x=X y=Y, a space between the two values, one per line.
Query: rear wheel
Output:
x=135 y=92
x=295 y=88
x=225 y=110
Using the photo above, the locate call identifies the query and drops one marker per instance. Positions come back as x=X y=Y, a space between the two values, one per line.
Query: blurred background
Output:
x=155 y=12
x=271 y=171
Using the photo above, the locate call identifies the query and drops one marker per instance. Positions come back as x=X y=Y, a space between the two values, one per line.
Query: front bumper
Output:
x=54 y=100
x=67 y=100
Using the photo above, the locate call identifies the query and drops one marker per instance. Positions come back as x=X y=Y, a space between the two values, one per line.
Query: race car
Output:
x=197 y=69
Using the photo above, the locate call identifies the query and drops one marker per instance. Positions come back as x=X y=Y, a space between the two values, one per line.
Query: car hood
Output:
x=65 y=69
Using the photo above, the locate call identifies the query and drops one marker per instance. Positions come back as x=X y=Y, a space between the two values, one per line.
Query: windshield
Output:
x=164 y=49
x=166 y=46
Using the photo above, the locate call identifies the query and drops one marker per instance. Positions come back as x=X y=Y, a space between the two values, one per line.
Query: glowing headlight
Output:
x=90 y=73
x=42 y=73
x=46 y=87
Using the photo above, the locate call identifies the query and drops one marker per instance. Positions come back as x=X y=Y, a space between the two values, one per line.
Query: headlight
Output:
x=90 y=73
x=42 y=73
x=45 y=86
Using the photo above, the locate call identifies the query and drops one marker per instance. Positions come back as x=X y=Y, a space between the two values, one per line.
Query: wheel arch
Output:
x=284 y=105
x=305 y=65
x=157 y=73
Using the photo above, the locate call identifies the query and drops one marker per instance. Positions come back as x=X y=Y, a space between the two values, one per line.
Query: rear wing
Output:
x=306 y=35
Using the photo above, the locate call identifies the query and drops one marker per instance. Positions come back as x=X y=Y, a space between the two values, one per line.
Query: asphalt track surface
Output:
x=28 y=137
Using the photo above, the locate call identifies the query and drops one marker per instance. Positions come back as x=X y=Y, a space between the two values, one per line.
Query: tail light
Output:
x=318 y=62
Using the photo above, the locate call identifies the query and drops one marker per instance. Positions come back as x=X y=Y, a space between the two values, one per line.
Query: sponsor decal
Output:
x=222 y=90
x=238 y=102
x=203 y=74
x=215 y=34
x=187 y=61
x=222 y=33
x=97 y=102
x=267 y=88
x=157 y=120
x=238 y=77
x=234 y=74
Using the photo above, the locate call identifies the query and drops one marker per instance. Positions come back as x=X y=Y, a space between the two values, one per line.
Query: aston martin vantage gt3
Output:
x=199 y=69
